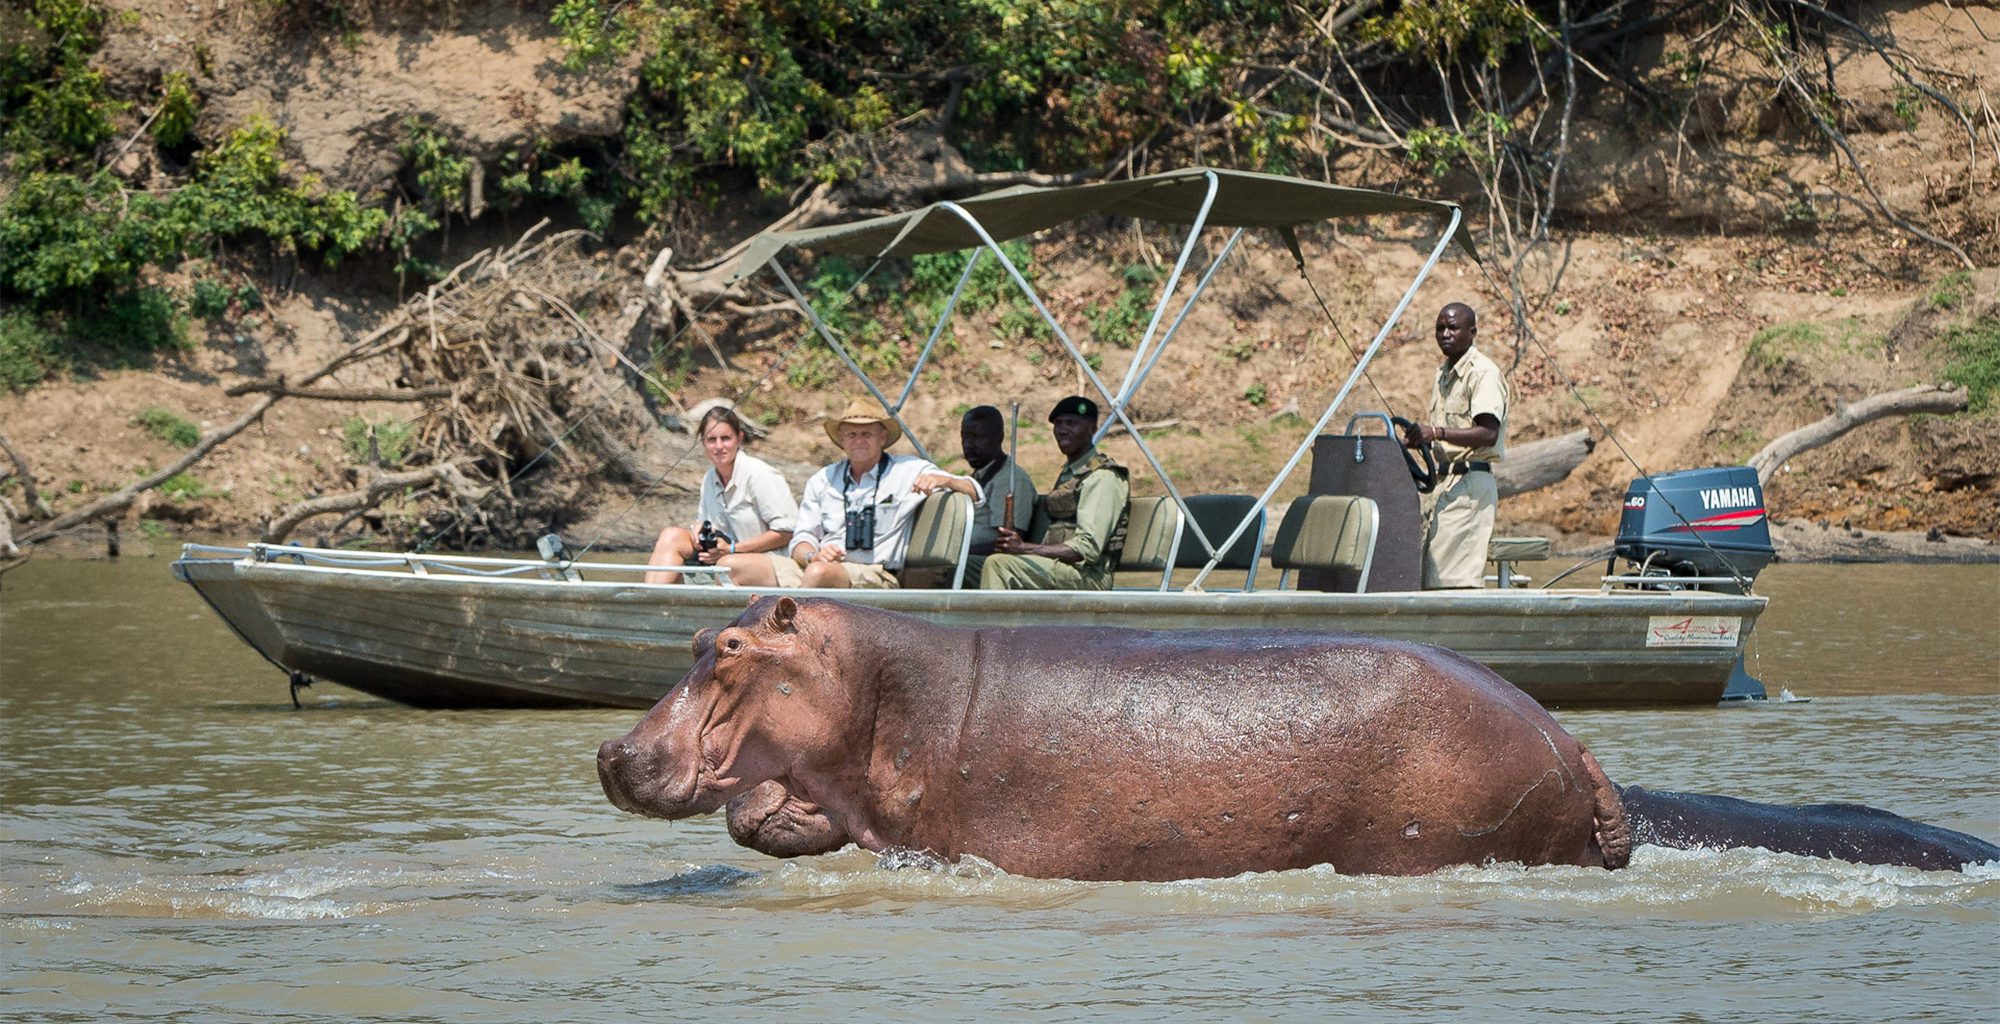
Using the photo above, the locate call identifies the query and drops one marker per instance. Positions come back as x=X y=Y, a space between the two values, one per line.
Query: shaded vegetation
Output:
x=780 y=95
x=1974 y=350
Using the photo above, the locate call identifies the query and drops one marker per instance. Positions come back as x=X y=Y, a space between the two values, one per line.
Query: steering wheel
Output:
x=1425 y=475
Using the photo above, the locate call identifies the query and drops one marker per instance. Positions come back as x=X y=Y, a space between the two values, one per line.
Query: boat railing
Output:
x=426 y=564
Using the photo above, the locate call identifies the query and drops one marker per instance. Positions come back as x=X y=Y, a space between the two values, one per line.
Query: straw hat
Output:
x=862 y=410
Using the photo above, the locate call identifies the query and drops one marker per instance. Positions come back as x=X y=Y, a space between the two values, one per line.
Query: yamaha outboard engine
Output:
x=1699 y=529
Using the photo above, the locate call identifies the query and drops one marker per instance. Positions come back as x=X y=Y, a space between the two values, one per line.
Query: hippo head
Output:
x=769 y=696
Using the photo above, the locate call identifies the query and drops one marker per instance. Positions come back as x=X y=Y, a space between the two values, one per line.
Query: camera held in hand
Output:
x=861 y=528
x=710 y=537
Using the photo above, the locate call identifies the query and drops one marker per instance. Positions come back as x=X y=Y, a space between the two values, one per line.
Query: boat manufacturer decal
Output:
x=1729 y=497
x=1694 y=631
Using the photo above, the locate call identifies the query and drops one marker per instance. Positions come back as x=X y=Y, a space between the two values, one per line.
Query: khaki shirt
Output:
x=1463 y=391
x=1100 y=502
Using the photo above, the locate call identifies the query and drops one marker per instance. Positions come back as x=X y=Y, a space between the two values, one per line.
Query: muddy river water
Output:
x=178 y=843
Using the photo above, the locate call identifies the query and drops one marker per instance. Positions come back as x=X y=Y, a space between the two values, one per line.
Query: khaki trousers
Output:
x=1458 y=527
x=1028 y=572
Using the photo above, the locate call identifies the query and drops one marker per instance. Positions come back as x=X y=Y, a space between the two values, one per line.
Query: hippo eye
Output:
x=733 y=644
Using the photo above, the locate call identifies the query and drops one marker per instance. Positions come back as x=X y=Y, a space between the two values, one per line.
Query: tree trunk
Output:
x=1538 y=464
x=1923 y=398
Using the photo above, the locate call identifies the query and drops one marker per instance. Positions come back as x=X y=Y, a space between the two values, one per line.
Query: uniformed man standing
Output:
x=1080 y=523
x=1467 y=432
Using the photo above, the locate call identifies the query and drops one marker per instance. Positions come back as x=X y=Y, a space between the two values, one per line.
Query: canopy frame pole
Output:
x=1142 y=360
x=895 y=411
x=1173 y=330
x=937 y=331
x=1127 y=386
x=1075 y=354
x=1353 y=377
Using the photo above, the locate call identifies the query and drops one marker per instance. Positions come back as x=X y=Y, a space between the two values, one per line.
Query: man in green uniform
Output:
x=1467 y=432
x=1079 y=524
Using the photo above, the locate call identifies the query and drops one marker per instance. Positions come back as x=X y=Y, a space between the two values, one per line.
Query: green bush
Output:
x=29 y=351
x=133 y=325
x=1975 y=361
x=1119 y=323
x=210 y=298
x=778 y=91
x=65 y=237
x=53 y=106
x=179 y=107
x=168 y=426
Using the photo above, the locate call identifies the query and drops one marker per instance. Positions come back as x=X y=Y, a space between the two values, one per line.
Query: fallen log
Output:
x=1538 y=464
x=1923 y=398
x=379 y=485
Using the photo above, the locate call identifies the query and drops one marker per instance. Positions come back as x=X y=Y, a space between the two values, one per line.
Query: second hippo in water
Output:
x=1124 y=754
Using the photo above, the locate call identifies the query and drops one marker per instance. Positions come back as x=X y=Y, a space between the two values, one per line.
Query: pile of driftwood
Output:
x=511 y=363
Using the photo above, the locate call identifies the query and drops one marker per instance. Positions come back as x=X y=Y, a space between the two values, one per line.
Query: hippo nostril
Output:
x=614 y=753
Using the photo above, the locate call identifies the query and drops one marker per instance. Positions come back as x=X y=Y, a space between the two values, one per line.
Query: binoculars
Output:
x=861 y=528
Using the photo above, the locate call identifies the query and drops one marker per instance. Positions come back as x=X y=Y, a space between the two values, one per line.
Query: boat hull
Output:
x=435 y=640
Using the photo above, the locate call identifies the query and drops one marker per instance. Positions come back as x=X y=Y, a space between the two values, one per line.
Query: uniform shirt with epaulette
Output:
x=1085 y=511
x=1465 y=390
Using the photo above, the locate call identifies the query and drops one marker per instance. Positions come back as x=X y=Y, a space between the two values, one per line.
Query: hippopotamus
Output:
x=1102 y=753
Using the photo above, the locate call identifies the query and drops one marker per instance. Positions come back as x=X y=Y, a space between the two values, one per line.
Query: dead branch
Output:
x=379 y=485
x=1923 y=398
x=115 y=503
x=36 y=506
x=283 y=390
x=1538 y=464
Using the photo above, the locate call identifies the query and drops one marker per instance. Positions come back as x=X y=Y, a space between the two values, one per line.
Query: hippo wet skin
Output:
x=1099 y=753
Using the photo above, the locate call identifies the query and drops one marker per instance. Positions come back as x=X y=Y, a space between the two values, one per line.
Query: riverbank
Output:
x=1676 y=313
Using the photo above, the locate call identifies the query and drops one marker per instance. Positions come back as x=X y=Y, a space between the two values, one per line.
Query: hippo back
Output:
x=1110 y=753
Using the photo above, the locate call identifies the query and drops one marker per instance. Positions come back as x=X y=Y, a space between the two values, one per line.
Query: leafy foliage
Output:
x=179 y=106
x=131 y=325
x=778 y=90
x=77 y=245
x=29 y=350
x=53 y=106
x=1975 y=361
x=1120 y=322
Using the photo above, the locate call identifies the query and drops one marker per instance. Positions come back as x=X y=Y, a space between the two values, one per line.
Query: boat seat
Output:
x=1503 y=552
x=940 y=541
x=1217 y=515
x=1327 y=531
x=1152 y=536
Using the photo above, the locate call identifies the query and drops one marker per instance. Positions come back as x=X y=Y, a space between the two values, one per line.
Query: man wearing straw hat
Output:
x=852 y=529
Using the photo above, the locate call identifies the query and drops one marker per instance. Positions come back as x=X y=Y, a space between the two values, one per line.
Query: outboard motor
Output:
x=1699 y=529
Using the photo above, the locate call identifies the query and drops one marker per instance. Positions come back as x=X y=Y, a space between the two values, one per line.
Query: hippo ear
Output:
x=785 y=615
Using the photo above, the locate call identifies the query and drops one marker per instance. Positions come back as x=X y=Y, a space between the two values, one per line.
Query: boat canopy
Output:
x=1240 y=199
x=1195 y=197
